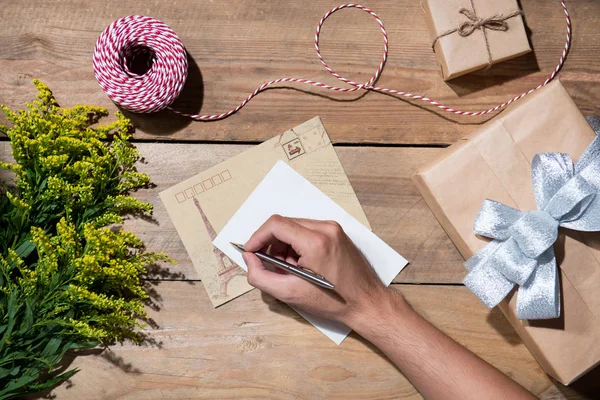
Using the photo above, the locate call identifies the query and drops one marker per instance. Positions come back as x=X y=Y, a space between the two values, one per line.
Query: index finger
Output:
x=279 y=229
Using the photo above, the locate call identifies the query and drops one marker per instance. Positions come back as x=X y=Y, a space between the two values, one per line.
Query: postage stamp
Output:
x=293 y=149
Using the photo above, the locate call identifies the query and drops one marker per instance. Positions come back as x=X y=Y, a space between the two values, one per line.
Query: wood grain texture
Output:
x=238 y=45
x=256 y=347
x=380 y=177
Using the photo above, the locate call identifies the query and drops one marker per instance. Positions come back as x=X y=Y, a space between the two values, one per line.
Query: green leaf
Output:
x=12 y=311
x=83 y=345
x=4 y=372
x=28 y=320
x=90 y=212
x=51 y=347
x=25 y=248
x=56 y=380
x=15 y=385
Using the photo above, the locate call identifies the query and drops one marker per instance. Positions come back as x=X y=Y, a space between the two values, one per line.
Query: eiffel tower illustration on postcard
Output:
x=227 y=269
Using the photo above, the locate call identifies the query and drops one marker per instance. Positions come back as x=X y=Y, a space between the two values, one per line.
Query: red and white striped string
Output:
x=166 y=67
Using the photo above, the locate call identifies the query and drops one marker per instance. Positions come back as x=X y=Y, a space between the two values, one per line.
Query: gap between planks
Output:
x=392 y=284
x=3 y=138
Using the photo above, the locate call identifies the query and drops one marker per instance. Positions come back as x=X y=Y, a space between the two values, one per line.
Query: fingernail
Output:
x=245 y=257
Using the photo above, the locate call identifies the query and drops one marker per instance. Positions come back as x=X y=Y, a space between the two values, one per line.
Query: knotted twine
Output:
x=495 y=23
x=132 y=37
x=522 y=251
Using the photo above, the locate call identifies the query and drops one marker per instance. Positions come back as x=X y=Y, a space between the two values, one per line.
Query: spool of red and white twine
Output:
x=135 y=39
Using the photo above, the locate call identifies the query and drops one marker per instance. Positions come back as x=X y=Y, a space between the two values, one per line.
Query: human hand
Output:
x=323 y=247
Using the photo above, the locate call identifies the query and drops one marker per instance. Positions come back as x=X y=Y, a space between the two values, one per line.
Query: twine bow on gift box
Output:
x=521 y=253
x=495 y=23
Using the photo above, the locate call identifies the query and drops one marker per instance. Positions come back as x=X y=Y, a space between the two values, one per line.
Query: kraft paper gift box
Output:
x=502 y=35
x=495 y=163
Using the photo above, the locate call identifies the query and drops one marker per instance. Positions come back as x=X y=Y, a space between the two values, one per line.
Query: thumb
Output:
x=264 y=280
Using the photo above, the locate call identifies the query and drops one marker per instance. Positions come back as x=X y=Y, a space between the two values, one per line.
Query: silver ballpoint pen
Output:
x=297 y=270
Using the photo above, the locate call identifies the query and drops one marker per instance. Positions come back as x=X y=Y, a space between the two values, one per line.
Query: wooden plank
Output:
x=239 y=45
x=380 y=177
x=256 y=347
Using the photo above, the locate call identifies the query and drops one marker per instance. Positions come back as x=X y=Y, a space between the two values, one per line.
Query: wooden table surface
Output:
x=254 y=346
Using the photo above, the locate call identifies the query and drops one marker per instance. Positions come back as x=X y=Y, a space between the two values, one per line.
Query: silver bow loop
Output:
x=495 y=219
x=522 y=251
x=539 y=297
x=549 y=172
x=488 y=284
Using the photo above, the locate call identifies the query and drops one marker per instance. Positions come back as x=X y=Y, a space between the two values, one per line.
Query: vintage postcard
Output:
x=201 y=205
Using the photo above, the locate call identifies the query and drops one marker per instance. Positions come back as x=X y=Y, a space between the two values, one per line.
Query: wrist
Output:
x=387 y=306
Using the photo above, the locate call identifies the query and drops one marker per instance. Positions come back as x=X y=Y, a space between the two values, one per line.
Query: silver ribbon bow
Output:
x=521 y=253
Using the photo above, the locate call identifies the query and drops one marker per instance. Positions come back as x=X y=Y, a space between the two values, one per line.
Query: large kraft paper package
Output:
x=495 y=163
x=460 y=55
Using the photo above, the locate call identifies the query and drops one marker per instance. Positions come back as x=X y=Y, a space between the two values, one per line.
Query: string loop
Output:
x=494 y=23
x=130 y=38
